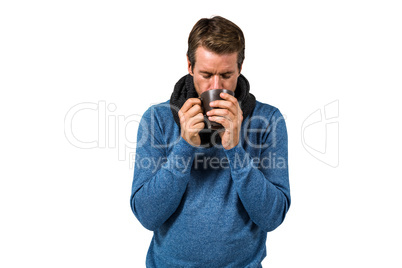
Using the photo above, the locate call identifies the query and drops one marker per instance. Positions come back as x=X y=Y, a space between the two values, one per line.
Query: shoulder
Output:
x=266 y=124
x=159 y=117
x=266 y=111
x=157 y=109
x=159 y=113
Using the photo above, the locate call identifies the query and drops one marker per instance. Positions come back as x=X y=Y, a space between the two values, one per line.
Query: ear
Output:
x=189 y=67
x=241 y=66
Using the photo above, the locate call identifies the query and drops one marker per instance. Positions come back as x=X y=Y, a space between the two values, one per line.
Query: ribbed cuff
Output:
x=181 y=157
x=239 y=160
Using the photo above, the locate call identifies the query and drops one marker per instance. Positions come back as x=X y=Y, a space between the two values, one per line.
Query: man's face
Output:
x=213 y=71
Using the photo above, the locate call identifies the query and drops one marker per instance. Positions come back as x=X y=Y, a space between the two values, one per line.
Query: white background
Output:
x=65 y=206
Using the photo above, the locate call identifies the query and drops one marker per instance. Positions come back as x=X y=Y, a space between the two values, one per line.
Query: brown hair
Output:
x=218 y=35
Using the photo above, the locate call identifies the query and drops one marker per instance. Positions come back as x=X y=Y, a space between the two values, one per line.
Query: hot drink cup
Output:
x=206 y=98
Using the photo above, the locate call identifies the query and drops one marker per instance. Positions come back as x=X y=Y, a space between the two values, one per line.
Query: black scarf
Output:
x=184 y=89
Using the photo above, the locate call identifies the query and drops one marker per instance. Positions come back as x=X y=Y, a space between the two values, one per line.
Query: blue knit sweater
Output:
x=210 y=207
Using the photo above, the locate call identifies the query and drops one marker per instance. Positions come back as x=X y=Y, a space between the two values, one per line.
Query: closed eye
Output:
x=227 y=75
x=206 y=75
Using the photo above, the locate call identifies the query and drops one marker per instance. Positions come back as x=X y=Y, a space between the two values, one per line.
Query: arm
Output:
x=160 y=180
x=263 y=183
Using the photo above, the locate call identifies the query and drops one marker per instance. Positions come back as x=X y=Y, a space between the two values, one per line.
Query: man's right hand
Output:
x=191 y=121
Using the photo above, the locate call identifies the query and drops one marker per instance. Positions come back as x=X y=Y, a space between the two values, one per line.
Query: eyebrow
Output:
x=205 y=72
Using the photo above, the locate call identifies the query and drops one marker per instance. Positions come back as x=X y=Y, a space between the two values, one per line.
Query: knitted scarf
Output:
x=184 y=89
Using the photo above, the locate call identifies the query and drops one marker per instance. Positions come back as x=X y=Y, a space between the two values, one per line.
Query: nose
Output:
x=216 y=82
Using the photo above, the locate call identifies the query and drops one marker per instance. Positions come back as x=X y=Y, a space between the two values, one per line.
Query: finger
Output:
x=221 y=112
x=193 y=111
x=227 y=123
x=225 y=105
x=196 y=119
x=190 y=103
x=232 y=106
x=190 y=122
x=228 y=97
x=198 y=127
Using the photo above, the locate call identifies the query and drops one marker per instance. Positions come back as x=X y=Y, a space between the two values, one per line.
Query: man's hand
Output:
x=230 y=116
x=191 y=121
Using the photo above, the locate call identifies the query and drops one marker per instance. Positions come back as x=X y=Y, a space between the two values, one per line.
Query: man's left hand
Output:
x=230 y=116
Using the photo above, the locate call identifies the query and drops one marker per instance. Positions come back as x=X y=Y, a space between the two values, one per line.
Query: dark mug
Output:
x=209 y=96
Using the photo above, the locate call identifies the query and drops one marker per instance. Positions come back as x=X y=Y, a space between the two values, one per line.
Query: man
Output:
x=211 y=196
